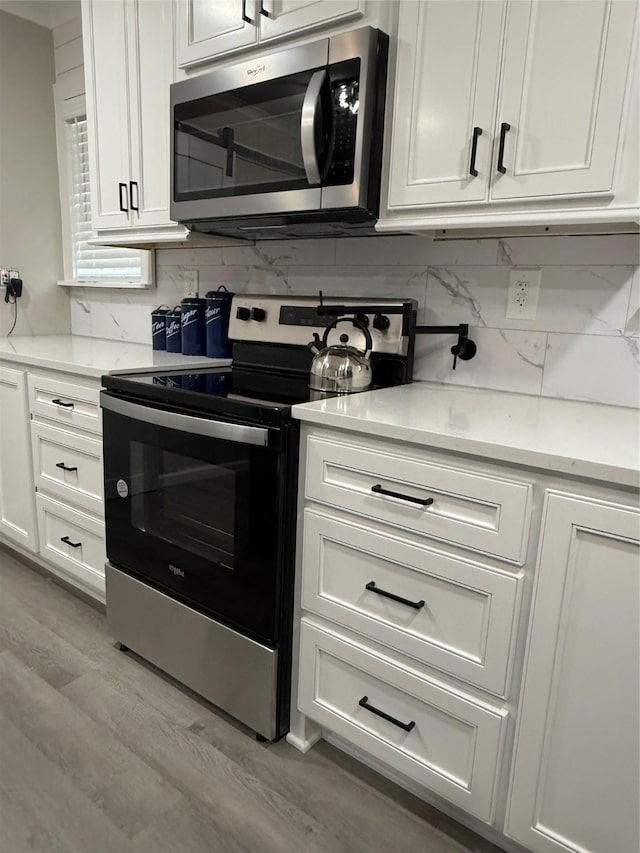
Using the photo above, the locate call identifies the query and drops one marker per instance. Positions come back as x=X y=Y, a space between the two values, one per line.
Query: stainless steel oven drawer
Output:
x=235 y=673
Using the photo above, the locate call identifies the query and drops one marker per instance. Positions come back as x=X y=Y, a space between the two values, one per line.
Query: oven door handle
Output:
x=187 y=423
x=308 y=127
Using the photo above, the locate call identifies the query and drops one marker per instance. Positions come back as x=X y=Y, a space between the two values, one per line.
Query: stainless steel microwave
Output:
x=288 y=144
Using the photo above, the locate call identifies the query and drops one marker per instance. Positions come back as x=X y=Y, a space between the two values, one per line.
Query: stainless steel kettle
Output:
x=340 y=369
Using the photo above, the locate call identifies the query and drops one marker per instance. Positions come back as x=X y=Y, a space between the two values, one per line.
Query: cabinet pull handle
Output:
x=59 y=402
x=380 y=491
x=65 y=467
x=504 y=128
x=371 y=587
x=135 y=207
x=477 y=131
x=263 y=11
x=123 y=206
x=245 y=17
x=364 y=703
x=68 y=541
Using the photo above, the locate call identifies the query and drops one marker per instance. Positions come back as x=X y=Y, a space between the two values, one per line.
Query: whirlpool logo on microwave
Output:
x=258 y=69
x=176 y=571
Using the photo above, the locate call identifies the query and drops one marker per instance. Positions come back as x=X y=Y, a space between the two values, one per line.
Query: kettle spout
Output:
x=315 y=346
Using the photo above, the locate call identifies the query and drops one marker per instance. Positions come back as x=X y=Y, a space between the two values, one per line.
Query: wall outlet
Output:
x=190 y=279
x=4 y=277
x=524 y=290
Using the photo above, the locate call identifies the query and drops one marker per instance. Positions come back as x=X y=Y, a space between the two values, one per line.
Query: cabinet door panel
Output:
x=151 y=54
x=448 y=55
x=575 y=780
x=562 y=92
x=107 y=70
x=284 y=17
x=17 y=491
x=207 y=28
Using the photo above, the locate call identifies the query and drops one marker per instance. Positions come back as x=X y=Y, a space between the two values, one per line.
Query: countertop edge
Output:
x=530 y=458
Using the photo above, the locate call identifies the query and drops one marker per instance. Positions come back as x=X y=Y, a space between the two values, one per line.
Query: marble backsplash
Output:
x=583 y=345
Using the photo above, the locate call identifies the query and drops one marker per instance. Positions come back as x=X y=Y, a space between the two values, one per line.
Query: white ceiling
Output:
x=47 y=13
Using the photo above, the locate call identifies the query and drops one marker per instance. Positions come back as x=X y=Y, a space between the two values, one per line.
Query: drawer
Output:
x=465 y=614
x=82 y=564
x=449 y=742
x=67 y=403
x=69 y=466
x=477 y=511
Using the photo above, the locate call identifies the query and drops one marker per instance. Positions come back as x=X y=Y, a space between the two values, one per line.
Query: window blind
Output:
x=91 y=263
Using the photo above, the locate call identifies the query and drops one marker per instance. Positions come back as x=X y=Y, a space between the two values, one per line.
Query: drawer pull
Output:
x=59 y=402
x=371 y=587
x=65 y=467
x=364 y=703
x=68 y=541
x=380 y=491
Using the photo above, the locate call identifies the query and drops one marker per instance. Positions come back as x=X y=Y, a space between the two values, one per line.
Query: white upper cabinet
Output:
x=563 y=84
x=106 y=74
x=208 y=29
x=548 y=88
x=151 y=55
x=285 y=17
x=445 y=101
x=128 y=49
x=575 y=777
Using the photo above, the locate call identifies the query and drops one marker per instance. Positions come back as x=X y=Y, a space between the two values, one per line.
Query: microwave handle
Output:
x=308 y=127
x=187 y=423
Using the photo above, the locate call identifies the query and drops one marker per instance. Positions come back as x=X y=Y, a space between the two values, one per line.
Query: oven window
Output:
x=183 y=500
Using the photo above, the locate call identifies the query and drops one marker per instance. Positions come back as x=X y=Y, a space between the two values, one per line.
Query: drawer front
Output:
x=82 y=564
x=457 y=615
x=66 y=403
x=450 y=743
x=69 y=466
x=477 y=511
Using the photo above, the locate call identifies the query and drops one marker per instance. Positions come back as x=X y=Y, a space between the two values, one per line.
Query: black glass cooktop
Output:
x=232 y=393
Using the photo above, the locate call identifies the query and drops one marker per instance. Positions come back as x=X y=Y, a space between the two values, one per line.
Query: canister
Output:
x=159 y=327
x=192 y=328
x=172 y=319
x=217 y=313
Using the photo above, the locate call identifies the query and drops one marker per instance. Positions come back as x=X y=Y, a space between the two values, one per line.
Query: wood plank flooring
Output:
x=101 y=753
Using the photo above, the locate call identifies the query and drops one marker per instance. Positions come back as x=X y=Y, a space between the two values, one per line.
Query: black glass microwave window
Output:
x=249 y=140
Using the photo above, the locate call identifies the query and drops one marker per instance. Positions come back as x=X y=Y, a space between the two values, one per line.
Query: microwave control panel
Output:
x=345 y=105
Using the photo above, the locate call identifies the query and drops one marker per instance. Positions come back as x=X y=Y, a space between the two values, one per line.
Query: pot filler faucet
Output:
x=464 y=350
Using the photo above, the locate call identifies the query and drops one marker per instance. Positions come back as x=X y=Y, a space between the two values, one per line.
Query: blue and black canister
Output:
x=217 y=315
x=159 y=327
x=193 y=336
x=172 y=319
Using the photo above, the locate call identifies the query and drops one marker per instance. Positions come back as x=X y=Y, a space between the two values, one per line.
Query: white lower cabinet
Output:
x=441 y=738
x=51 y=474
x=575 y=784
x=506 y=694
x=74 y=542
x=17 y=505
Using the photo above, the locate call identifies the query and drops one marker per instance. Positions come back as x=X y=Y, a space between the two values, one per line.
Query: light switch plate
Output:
x=524 y=290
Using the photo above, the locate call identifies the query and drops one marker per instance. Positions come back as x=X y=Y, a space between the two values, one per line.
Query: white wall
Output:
x=583 y=344
x=30 y=236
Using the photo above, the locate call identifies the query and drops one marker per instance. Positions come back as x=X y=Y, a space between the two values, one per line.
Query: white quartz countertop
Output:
x=94 y=356
x=583 y=439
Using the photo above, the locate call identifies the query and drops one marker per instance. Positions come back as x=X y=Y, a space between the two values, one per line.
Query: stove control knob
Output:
x=243 y=313
x=258 y=314
x=381 y=322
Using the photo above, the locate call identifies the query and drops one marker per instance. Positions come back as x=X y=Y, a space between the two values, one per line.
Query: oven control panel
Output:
x=294 y=319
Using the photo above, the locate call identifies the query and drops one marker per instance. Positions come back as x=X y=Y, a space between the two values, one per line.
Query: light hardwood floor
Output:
x=101 y=753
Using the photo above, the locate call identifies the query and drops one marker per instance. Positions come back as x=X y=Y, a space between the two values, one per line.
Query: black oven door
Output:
x=194 y=507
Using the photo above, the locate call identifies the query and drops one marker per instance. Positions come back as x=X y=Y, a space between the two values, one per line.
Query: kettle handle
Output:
x=358 y=325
